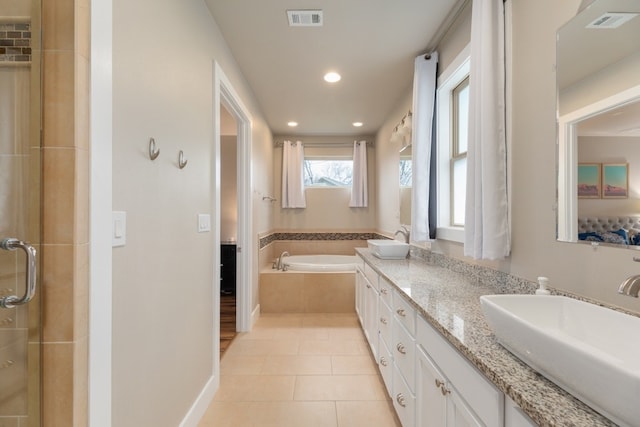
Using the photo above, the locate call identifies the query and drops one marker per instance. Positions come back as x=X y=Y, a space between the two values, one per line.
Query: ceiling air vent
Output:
x=610 y=20
x=305 y=18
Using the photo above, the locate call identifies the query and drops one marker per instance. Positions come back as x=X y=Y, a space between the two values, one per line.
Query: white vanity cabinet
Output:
x=367 y=304
x=430 y=383
x=466 y=397
x=438 y=403
x=403 y=348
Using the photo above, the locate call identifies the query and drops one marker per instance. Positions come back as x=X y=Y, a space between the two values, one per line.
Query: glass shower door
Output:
x=20 y=151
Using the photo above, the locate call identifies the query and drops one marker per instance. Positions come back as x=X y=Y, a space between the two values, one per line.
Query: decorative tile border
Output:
x=15 y=42
x=265 y=240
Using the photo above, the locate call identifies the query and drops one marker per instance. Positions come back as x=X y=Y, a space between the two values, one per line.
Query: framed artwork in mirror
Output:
x=589 y=181
x=615 y=180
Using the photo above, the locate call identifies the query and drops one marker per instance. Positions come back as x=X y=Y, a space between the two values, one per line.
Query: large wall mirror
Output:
x=598 y=81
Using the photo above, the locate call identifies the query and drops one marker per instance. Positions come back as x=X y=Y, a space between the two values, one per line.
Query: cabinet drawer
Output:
x=404 y=401
x=481 y=395
x=385 y=364
x=386 y=290
x=372 y=276
x=404 y=353
x=385 y=319
x=404 y=312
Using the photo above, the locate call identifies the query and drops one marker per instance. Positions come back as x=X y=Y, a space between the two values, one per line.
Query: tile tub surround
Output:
x=449 y=301
x=306 y=292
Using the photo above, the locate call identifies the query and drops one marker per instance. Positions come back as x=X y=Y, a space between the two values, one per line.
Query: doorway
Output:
x=20 y=221
x=226 y=98
x=228 y=226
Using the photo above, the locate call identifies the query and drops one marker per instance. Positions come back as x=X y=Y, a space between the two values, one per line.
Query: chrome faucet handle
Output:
x=630 y=287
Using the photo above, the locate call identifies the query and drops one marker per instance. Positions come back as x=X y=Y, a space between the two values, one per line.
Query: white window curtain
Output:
x=292 y=178
x=359 y=191
x=487 y=234
x=424 y=95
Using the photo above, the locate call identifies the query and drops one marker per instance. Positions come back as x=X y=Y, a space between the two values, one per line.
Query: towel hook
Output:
x=181 y=161
x=153 y=151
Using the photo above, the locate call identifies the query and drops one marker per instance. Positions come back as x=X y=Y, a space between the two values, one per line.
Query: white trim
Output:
x=568 y=158
x=454 y=234
x=449 y=79
x=100 y=251
x=201 y=404
x=225 y=94
x=255 y=315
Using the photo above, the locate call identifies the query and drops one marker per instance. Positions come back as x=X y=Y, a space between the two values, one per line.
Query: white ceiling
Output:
x=371 y=43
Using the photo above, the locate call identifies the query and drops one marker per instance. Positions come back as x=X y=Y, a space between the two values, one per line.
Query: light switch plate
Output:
x=204 y=223
x=119 y=229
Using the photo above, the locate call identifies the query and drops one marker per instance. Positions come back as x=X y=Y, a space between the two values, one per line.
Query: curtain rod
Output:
x=280 y=142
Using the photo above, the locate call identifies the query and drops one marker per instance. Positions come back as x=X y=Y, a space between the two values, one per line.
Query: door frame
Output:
x=225 y=95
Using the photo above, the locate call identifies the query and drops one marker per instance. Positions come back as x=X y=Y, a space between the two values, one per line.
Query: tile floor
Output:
x=300 y=370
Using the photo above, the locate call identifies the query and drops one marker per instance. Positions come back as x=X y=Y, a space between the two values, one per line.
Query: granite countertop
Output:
x=450 y=302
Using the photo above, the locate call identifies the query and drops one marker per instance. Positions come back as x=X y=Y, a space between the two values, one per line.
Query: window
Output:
x=453 y=134
x=406 y=176
x=327 y=172
x=405 y=173
x=459 y=139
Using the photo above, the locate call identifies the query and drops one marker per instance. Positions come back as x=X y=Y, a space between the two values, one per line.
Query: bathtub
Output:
x=311 y=284
x=324 y=263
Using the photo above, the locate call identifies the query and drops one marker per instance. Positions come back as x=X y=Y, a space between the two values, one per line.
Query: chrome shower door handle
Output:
x=12 y=244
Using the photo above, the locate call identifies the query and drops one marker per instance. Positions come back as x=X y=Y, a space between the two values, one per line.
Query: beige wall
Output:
x=387 y=170
x=327 y=208
x=163 y=56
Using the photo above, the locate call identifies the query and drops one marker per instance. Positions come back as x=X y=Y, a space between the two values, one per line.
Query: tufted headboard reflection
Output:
x=619 y=230
x=607 y=223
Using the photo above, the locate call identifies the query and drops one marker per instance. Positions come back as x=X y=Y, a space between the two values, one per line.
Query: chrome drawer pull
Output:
x=401 y=312
x=384 y=291
x=401 y=349
x=401 y=400
x=439 y=383
x=383 y=320
x=444 y=390
x=383 y=361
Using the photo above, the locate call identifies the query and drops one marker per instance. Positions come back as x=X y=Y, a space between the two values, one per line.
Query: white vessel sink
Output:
x=388 y=249
x=590 y=351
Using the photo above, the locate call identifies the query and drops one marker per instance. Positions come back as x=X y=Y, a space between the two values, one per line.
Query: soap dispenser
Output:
x=542 y=290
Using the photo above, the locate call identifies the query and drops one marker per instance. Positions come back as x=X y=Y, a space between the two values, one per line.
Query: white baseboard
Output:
x=201 y=404
x=255 y=315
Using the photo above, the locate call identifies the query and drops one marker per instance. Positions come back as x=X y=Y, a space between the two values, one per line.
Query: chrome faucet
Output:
x=279 y=265
x=631 y=286
x=405 y=232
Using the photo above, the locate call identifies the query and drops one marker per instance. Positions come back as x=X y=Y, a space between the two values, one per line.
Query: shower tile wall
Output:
x=65 y=211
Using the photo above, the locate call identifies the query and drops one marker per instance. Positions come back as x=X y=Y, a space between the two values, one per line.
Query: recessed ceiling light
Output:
x=292 y=124
x=357 y=124
x=332 y=77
